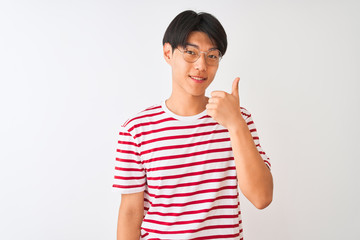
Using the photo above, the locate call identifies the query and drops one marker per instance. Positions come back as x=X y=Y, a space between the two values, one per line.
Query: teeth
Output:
x=196 y=78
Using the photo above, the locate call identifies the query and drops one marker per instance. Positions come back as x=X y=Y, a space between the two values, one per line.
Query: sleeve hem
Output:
x=127 y=191
x=267 y=164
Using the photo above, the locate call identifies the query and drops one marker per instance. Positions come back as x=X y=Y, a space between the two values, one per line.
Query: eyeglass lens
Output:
x=191 y=54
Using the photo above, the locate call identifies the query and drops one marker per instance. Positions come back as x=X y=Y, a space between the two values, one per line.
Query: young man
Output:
x=179 y=163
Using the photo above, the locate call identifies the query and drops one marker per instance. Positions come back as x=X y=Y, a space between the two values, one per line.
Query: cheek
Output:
x=181 y=69
x=212 y=72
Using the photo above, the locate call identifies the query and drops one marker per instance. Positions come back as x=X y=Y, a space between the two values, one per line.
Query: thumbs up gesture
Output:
x=224 y=107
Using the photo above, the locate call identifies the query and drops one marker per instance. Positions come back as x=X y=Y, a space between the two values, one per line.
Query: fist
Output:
x=224 y=107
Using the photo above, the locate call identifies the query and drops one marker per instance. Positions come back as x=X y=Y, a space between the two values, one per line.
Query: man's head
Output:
x=193 y=45
x=189 y=21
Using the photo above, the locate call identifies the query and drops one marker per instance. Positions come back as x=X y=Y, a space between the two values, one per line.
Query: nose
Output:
x=200 y=64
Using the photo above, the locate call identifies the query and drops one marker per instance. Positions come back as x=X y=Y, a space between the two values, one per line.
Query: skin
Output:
x=254 y=178
x=187 y=99
x=130 y=217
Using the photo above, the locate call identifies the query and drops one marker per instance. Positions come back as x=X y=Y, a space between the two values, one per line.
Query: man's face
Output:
x=192 y=79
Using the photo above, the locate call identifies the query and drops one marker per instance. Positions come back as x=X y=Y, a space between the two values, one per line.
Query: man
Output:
x=179 y=163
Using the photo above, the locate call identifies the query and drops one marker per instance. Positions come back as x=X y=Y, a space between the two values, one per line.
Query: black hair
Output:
x=188 y=21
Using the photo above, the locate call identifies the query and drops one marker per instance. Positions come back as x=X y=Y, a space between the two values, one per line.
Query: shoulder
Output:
x=142 y=116
x=245 y=113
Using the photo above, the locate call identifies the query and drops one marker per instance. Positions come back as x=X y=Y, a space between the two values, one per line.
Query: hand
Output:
x=224 y=107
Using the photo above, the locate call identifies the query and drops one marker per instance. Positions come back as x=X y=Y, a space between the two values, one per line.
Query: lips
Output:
x=198 y=78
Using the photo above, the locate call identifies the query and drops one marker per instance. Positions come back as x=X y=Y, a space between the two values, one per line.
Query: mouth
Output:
x=198 y=78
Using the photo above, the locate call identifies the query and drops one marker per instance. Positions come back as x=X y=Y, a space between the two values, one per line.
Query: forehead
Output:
x=200 y=40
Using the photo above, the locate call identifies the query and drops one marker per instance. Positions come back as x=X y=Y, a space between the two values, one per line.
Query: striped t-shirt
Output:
x=186 y=168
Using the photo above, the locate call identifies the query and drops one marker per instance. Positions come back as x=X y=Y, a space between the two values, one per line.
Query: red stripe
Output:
x=191 y=183
x=128 y=186
x=253 y=130
x=190 y=164
x=152 y=108
x=190 y=221
x=185 y=145
x=192 y=173
x=267 y=162
x=129 y=178
x=125 y=134
x=151 y=123
x=205 y=116
x=126 y=143
x=143 y=116
x=183 y=136
x=192 y=230
x=128 y=152
x=144 y=235
x=245 y=114
x=176 y=128
x=129 y=169
x=209 y=237
x=188 y=154
x=217 y=237
x=192 y=202
x=193 y=212
x=192 y=193
x=128 y=160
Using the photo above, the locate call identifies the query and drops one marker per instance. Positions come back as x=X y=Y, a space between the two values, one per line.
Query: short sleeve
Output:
x=252 y=128
x=129 y=174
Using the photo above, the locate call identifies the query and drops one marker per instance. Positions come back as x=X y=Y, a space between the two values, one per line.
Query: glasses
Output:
x=192 y=54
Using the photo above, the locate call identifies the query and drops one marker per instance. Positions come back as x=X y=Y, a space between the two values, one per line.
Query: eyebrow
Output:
x=194 y=45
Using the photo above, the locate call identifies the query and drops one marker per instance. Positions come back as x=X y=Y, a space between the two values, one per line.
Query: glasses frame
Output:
x=198 y=56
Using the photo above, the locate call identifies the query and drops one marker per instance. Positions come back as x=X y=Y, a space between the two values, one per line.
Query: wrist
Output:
x=239 y=125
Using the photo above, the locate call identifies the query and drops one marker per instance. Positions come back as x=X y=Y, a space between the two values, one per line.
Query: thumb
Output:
x=235 y=87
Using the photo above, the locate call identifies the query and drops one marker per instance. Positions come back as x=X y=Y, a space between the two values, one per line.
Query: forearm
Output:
x=254 y=177
x=129 y=225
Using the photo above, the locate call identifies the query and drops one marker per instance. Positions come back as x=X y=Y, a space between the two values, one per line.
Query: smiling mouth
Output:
x=197 y=78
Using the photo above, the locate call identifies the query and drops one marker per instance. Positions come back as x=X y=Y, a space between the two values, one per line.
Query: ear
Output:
x=167 y=52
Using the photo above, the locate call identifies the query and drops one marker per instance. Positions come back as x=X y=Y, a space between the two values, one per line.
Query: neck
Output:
x=190 y=106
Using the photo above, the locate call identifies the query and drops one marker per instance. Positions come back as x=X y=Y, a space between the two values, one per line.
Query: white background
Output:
x=73 y=71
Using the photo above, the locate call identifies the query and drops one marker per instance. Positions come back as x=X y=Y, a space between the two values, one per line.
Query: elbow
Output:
x=263 y=203
x=263 y=200
x=264 y=197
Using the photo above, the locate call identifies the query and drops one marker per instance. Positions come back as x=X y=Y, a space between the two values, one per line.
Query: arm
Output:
x=254 y=177
x=131 y=214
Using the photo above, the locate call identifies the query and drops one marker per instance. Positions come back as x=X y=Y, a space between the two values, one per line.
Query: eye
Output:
x=212 y=56
x=189 y=52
